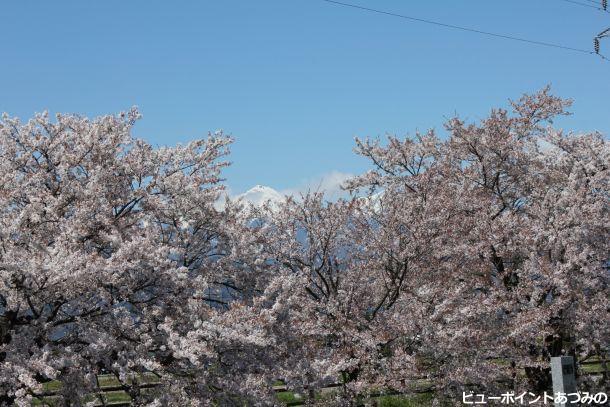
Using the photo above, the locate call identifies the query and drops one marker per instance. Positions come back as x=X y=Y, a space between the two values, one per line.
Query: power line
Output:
x=457 y=27
x=598 y=5
x=581 y=4
x=596 y=45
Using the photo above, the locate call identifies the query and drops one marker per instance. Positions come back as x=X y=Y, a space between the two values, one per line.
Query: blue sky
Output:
x=295 y=80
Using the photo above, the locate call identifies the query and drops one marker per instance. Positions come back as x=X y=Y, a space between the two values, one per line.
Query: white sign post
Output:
x=564 y=382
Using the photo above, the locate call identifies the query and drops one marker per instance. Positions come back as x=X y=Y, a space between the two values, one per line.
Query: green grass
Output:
x=105 y=381
x=593 y=368
x=110 y=385
x=288 y=397
x=108 y=380
x=51 y=387
x=116 y=397
x=419 y=400
x=51 y=401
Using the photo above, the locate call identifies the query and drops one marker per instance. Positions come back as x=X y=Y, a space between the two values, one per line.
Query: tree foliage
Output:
x=468 y=259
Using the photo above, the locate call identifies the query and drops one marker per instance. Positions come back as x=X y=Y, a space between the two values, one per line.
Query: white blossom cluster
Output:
x=473 y=260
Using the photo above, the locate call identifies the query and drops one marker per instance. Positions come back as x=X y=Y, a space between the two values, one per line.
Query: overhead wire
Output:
x=462 y=28
x=597 y=6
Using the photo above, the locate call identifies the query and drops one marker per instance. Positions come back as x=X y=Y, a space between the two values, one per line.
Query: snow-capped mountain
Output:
x=260 y=194
x=374 y=200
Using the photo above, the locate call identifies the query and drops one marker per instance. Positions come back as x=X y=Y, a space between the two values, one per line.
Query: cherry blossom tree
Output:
x=509 y=218
x=337 y=304
x=102 y=239
x=471 y=260
x=467 y=260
